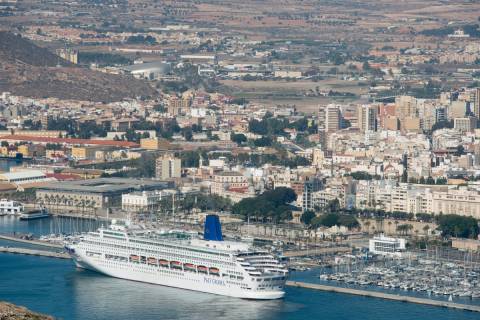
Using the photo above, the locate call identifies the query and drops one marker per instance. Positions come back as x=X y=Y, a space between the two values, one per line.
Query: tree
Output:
x=426 y=228
x=430 y=180
x=367 y=225
x=333 y=206
x=188 y=134
x=263 y=142
x=272 y=205
x=333 y=219
x=238 y=138
x=458 y=226
x=307 y=217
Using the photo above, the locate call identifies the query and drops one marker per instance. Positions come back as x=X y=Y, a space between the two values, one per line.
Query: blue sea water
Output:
x=56 y=287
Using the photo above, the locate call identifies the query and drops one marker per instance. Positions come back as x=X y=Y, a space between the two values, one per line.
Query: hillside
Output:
x=29 y=70
x=9 y=311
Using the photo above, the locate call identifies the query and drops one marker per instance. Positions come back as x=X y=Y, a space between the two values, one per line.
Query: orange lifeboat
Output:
x=202 y=269
x=134 y=258
x=163 y=263
x=176 y=264
x=214 y=271
x=152 y=261
x=189 y=266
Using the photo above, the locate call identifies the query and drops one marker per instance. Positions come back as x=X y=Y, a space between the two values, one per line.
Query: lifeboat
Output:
x=176 y=264
x=189 y=266
x=163 y=262
x=152 y=261
x=214 y=270
x=202 y=269
x=134 y=258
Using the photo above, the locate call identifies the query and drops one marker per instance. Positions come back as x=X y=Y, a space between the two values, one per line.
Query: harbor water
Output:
x=56 y=287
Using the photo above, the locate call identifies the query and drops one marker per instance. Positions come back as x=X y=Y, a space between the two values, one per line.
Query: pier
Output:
x=32 y=252
x=381 y=295
x=33 y=242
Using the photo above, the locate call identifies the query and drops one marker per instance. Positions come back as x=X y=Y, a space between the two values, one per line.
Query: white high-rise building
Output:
x=168 y=167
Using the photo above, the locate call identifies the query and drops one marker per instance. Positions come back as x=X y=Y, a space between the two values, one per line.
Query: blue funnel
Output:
x=213 y=229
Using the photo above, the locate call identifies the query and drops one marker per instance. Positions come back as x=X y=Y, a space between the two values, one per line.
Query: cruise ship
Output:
x=182 y=260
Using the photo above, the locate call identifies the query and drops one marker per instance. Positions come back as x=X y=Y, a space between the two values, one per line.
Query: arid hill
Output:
x=29 y=70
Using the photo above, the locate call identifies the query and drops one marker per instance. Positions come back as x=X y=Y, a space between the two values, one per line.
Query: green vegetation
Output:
x=429 y=180
x=404 y=229
x=139 y=39
x=268 y=126
x=334 y=219
x=103 y=59
x=272 y=206
x=470 y=29
x=238 y=138
x=362 y=175
x=458 y=226
x=197 y=201
x=307 y=217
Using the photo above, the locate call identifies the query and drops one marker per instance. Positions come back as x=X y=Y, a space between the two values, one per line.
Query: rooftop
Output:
x=111 y=143
x=107 y=185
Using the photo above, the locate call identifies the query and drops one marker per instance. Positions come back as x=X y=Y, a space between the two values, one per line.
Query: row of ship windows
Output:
x=158 y=252
x=151 y=245
x=144 y=260
x=154 y=249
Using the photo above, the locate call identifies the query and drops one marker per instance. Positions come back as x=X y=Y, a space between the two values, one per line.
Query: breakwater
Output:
x=381 y=295
x=33 y=252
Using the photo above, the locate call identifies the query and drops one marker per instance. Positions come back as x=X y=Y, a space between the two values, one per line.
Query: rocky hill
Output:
x=29 y=70
x=9 y=311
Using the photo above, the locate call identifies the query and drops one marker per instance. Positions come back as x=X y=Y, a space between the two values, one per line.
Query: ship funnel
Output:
x=213 y=229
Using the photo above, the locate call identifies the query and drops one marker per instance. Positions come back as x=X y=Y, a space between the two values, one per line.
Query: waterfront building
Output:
x=93 y=194
x=387 y=246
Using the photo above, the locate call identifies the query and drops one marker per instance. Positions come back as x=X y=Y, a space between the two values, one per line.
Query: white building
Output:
x=387 y=246
x=25 y=176
x=168 y=167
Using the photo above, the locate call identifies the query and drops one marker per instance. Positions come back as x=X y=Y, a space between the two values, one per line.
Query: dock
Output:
x=386 y=296
x=32 y=252
x=33 y=242
x=317 y=251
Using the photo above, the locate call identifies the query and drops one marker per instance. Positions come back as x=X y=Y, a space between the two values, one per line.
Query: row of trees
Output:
x=328 y=220
x=271 y=206
x=196 y=201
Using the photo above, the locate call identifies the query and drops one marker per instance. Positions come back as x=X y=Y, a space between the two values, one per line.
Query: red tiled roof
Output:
x=111 y=143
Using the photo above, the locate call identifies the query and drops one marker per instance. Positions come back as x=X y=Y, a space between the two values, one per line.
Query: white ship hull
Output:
x=171 y=278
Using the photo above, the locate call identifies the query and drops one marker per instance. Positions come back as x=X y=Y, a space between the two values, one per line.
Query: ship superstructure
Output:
x=182 y=260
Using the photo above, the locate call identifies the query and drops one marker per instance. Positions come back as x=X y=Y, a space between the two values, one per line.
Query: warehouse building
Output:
x=94 y=195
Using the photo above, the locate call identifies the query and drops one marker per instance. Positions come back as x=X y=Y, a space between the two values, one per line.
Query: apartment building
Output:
x=168 y=167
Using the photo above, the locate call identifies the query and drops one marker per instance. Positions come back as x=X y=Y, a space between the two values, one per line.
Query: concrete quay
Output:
x=32 y=252
x=381 y=295
x=32 y=242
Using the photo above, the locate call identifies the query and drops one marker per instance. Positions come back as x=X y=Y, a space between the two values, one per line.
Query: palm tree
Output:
x=367 y=225
x=425 y=229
